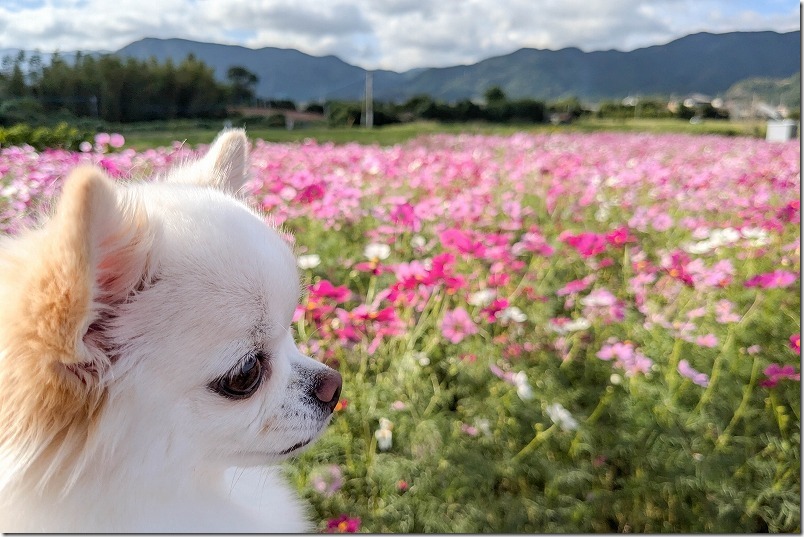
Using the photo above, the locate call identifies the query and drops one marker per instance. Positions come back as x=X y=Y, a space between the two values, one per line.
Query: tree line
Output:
x=113 y=89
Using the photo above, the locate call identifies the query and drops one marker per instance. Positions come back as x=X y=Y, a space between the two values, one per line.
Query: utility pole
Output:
x=369 y=116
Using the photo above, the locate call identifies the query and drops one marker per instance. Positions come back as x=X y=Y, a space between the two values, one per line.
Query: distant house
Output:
x=292 y=118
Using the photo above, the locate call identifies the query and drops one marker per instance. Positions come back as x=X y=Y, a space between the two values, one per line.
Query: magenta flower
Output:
x=325 y=289
x=676 y=266
x=462 y=242
x=457 y=325
x=795 y=343
x=619 y=236
x=769 y=280
x=586 y=243
x=776 y=373
x=686 y=370
x=343 y=524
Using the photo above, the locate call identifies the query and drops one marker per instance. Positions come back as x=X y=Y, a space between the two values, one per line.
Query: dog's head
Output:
x=151 y=323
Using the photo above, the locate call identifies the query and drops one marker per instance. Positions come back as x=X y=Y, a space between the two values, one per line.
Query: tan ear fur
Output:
x=57 y=284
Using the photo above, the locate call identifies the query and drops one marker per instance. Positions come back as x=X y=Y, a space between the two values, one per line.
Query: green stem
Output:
x=540 y=437
x=710 y=390
x=593 y=417
x=426 y=313
x=670 y=375
x=528 y=272
x=738 y=414
x=371 y=289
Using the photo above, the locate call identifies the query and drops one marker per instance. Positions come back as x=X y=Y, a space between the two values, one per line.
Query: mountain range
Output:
x=699 y=63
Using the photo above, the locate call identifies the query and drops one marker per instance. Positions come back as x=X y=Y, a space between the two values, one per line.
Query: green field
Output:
x=155 y=134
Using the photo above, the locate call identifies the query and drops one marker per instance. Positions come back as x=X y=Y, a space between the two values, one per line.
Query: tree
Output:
x=495 y=95
x=243 y=83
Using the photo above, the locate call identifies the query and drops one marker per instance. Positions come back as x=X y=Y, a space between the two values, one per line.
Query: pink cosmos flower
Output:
x=625 y=357
x=768 y=280
x=493 y=310
x=686 y=370
x=343 y=524
x=708 y=340
x=469 y=429
x=324 y=288
x=696 y=313
x=723 y=312
x=312 y=192
x=776 y=373
x=462 y=242
x=662 y=222
x=576 y=286
x=619 y=236
x=602 y=305
x=790 y=212
x=404 y=215
x=102 y=138
x=117 y=140
x=795 y=343
x=457 y=325
x=532 y=241
x=327 y=480
x=676 y=266
x=586 y=243
x=507 y=376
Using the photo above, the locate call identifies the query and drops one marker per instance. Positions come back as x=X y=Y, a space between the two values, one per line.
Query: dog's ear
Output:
x=95 y=251
x=225 y=166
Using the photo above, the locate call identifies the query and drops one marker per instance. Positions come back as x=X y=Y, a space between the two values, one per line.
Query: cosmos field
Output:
x=537 y=332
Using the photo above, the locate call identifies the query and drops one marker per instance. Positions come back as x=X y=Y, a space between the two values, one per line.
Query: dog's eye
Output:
x=242 y=381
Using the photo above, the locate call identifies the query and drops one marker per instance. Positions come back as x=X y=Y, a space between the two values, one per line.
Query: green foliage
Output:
x=114 y=89
x=61 y=136
x=495 y=94
x=242 y=83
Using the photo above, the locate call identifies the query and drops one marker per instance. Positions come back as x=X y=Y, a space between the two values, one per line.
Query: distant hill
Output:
x=785 y=91
x=703 y=63
x=283 y=73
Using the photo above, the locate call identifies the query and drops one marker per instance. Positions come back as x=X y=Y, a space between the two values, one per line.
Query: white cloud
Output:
x=391 y=34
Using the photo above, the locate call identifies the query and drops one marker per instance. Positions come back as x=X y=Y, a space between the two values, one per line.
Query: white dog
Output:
x=144 y=350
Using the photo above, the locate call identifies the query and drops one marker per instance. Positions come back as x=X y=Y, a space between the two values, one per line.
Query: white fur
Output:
x=160 y=456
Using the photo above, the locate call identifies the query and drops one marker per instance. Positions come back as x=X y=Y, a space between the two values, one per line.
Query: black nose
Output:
x=328 y=388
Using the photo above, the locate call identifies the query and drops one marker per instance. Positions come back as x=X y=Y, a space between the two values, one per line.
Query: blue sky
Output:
x=391 y=34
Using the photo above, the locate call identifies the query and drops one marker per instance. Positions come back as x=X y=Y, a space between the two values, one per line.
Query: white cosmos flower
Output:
x=523 y=389
x=561 y=417
x=384 y=435
x=309 y=261
x=512 y=313
x=482 y=298
x=418 y=241
x=376 y=250
x=756 y=236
